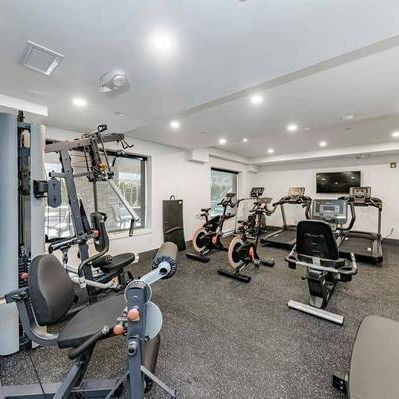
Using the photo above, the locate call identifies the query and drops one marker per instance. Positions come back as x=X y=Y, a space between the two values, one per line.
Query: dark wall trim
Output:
x=225 y=170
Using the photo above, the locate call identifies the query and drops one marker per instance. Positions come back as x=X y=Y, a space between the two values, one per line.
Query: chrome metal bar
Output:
x=323 y=314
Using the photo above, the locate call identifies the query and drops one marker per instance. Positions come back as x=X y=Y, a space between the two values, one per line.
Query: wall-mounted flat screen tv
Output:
x=337 y=182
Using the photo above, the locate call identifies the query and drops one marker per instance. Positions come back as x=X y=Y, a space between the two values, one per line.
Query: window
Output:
x=222 y=182
x=130 y=179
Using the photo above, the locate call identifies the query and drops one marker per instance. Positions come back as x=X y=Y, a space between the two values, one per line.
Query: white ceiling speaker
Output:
x=39 y=58
x=114 y=82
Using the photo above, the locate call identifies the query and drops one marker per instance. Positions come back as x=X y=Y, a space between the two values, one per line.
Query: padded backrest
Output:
x=50 y=288
x=315 y=238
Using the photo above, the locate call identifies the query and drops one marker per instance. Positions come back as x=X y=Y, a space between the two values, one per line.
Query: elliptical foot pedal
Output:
x=199 y=258
x=236 y=276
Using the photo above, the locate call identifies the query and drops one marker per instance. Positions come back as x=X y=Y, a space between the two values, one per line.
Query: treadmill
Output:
x=286 y=236
x=366 y=246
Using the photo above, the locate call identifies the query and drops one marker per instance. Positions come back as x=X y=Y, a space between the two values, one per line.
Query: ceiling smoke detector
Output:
x=40 y=59
x=114 y=82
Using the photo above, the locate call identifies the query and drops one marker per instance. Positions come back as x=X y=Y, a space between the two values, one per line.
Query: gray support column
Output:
x=38 y=205
x=9 y=336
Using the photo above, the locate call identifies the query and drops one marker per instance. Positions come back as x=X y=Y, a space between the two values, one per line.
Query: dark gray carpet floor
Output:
x=225 y=339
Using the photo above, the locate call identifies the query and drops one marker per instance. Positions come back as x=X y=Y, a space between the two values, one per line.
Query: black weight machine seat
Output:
x=374 y=365
x=52 y=293
x=117 y=262
x=47 y=300
x=375 y=360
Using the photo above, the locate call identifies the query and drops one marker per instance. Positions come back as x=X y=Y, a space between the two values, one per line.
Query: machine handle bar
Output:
x=351 y=271
x=75 y=352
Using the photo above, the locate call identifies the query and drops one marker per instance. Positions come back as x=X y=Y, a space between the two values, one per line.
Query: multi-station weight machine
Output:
x=98 y=169
x=24 y=189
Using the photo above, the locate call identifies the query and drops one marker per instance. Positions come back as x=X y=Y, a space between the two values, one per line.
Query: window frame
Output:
x=231 y=172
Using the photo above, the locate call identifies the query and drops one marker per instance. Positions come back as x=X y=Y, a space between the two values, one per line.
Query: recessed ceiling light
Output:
x=292 y=127
x=270 y=150
x=222 y=141
x=117 y=113
x=162 y=42
x=245 y=140
x=348 y=117
x=323 y=143
x=256 y=99
x=79 y=102
x=174 y=124
x=395 y=134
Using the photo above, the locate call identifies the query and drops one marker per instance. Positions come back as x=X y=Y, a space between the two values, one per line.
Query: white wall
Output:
x=375 y=172
x=169 y=172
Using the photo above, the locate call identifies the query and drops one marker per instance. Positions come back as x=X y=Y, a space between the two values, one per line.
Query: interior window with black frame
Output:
x=222 y=182
x=130 y=175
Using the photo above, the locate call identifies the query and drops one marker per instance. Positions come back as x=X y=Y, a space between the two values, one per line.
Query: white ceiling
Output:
x=225 y=50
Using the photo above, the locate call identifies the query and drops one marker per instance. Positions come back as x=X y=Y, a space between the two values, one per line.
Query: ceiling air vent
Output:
x=40 y=58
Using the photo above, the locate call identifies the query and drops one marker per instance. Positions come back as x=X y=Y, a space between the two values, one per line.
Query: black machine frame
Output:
x=317 y=250
x=139 y=322
x=209 y=235
x=366 y=246
x=286 y=236
x=98 y=169
x=243 y=249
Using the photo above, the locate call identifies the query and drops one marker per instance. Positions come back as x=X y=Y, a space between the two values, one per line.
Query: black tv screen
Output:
x=338 y=182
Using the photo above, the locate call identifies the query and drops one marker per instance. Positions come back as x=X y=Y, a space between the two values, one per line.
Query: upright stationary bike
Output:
x=208 y=237
x=243 y=249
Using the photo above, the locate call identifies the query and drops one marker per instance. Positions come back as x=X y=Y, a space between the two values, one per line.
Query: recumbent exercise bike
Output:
x=207 y=238
x=316 y=249
x=48 y=298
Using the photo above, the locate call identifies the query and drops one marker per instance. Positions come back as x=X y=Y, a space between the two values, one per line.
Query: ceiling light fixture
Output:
x=395 y=134
x=79 y=102
x=256 y=99
x=323 y=143
x=245 y=140
x=348 y=117
x=292 y=127
x=162 y=42
x=174 y=124
x=222 y=141
x=270 y=150
x=117 y=113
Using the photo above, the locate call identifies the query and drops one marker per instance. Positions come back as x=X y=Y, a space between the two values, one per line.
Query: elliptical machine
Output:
x=207 y=237
x=243 y=248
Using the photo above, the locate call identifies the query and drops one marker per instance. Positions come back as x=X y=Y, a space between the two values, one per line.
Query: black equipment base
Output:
x=236 y=276
x=200 y=258
x=365 y=246
x=267 y=262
